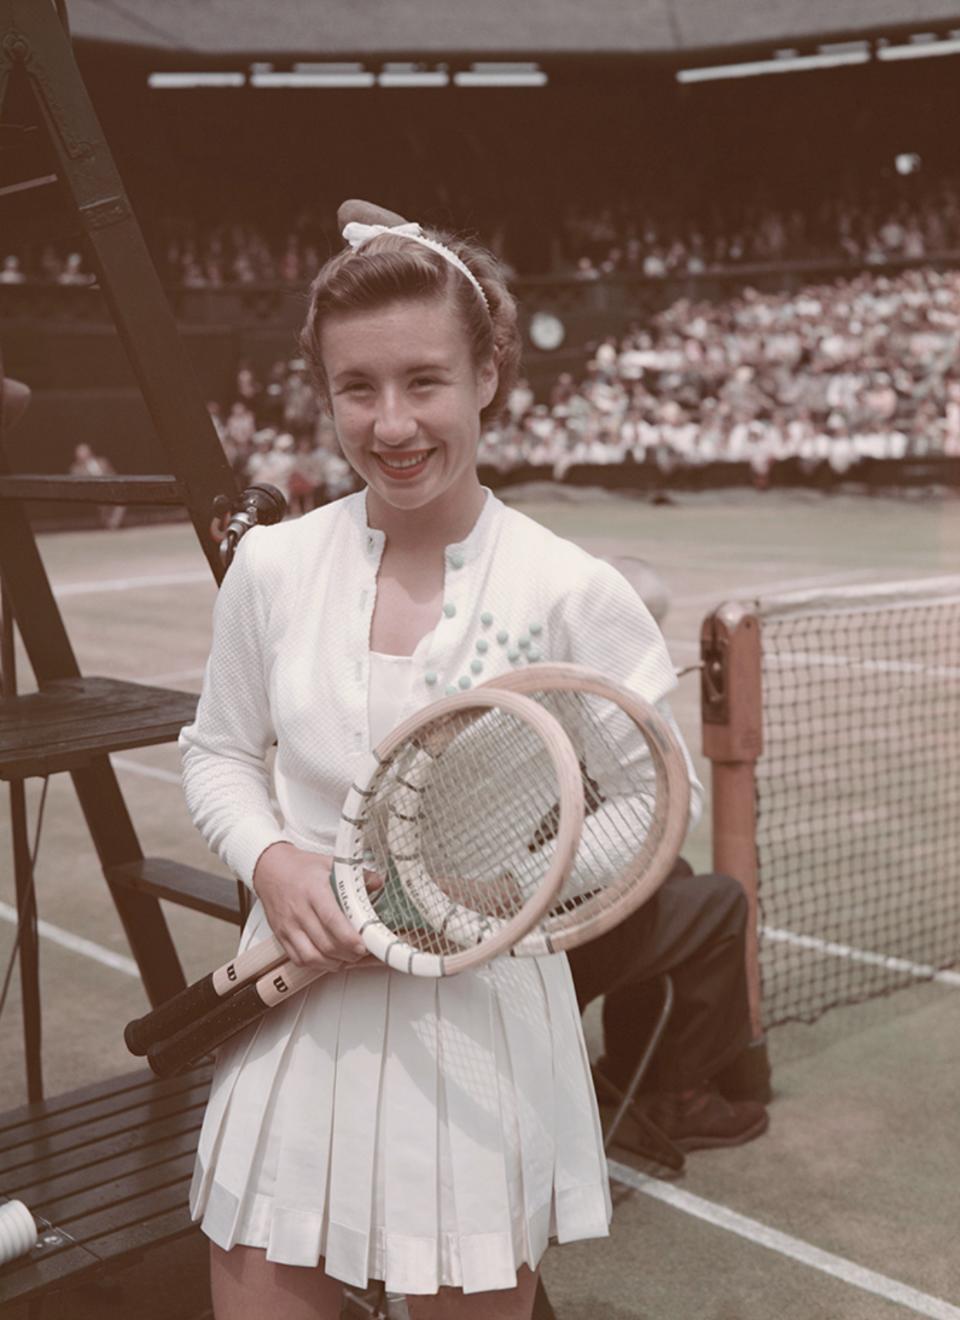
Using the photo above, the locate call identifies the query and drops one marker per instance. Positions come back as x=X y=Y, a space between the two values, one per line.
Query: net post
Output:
x=732 y=731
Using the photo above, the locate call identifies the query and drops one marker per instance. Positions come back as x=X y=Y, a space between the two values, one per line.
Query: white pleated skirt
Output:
x=426 y=1133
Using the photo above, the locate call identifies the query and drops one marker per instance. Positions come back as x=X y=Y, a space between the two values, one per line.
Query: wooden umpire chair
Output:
x=104 y=1169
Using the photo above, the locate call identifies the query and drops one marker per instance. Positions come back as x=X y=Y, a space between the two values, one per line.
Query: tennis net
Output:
x=858 y=794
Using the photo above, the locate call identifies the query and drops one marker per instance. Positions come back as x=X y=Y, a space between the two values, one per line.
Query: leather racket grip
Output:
x=172 y=1016
x=186 y=1047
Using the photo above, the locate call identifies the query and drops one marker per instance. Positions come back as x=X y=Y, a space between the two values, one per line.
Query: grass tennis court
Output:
x=848 y=1206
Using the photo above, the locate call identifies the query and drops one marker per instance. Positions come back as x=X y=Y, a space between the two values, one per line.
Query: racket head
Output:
x=637 y=793
x=447 y=809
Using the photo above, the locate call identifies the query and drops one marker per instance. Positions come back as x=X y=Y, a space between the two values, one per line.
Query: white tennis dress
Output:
x=423 y=1132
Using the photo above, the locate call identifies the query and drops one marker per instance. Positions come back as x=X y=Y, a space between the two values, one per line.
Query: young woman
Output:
x=435 y=1135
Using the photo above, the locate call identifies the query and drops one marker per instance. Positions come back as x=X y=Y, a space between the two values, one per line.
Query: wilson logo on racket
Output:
x=280 y=985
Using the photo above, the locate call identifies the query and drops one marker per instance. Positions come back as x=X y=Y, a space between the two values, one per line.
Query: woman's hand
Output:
x=294 y=888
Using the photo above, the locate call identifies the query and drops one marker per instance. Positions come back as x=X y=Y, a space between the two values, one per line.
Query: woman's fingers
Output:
x=302 y=952
x=294 y=887
x=339 y=939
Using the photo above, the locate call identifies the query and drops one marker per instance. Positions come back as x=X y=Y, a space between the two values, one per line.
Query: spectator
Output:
x=300 y=406
x=11 y=272
x=73 y=272
x=238 y=435
x=86 y=463
x=307 y=477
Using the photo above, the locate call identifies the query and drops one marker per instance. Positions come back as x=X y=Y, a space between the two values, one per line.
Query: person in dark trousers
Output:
x=693 y=928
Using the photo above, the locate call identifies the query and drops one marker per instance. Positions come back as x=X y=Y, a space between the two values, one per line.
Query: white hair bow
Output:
x=356 y=233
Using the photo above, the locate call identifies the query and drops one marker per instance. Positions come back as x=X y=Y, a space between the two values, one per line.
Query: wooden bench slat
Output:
x=71 y=721
x=204 y=891
x=74 y=1212
x=136 y=1237
x=46 y=1190
x=85 y=1103
x=135 y=1210
x=116 y=489
x=87 y=1143
x=22 y=1279
x=108 y=1167
x=138 y=1108
x=110 y=1090
x=132 y=1145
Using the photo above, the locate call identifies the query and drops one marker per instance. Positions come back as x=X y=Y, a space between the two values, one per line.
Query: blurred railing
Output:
x=611 y=297
x=260 y=321
x=867 y=474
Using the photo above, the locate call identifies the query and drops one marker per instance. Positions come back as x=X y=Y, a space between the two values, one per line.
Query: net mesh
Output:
x=858 y=831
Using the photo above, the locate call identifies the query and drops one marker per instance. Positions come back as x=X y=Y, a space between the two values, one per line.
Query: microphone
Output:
x=260 y=503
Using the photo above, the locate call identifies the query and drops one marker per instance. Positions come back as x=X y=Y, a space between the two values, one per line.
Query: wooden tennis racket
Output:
x=636 y=784
x=449 y=810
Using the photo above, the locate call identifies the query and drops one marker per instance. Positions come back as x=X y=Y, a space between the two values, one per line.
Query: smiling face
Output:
x=406 y=398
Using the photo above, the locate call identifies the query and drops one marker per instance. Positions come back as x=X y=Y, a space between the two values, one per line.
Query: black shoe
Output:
x=747 y=1076
x=702 y=1118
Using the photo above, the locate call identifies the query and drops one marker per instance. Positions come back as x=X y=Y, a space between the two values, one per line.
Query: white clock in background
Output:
x=546 y=331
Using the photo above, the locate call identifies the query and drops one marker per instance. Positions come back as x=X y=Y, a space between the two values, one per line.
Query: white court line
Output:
x=148 y=771
x=850 y=664
x=858 y=1276
x=172 y=676
x=920 y=970
x=187 y=577
x=720 y=1216
x=132 y=583
x=717 y=596
x=77 y=944
x=845 y=663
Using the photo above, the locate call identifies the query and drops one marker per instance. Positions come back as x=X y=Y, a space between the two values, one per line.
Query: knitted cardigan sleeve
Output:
x=606 y=626
x=226 y=778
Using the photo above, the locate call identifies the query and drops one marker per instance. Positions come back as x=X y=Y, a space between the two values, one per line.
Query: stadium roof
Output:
x=324 y=29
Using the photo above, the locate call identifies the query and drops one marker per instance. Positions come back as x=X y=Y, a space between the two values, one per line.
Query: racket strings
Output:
x=453 y=824
x=623 y=792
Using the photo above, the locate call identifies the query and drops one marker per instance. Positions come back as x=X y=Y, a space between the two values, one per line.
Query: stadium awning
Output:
x=413 y=29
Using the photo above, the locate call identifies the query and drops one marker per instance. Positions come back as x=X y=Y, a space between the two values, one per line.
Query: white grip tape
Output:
x=534 y=945
x=18 y=1231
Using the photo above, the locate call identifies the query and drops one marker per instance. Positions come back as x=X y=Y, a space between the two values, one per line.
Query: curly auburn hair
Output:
x=391 y=267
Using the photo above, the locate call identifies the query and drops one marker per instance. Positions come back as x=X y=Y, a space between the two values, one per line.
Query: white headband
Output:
x=357 y=234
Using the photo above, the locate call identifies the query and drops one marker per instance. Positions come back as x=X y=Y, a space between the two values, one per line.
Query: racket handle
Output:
x=234 y=1013
x=177 y=1052
x=172 y=1016
x=193 y=1003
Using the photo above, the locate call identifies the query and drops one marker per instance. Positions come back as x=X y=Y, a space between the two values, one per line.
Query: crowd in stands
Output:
x=586 y=241
x=862 y=368
x=862 y=229
x=274 y=431
x=210 y=257
x=191 y=255
x=49 y=267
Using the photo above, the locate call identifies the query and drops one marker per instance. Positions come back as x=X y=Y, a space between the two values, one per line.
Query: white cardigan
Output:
x=290 y=658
